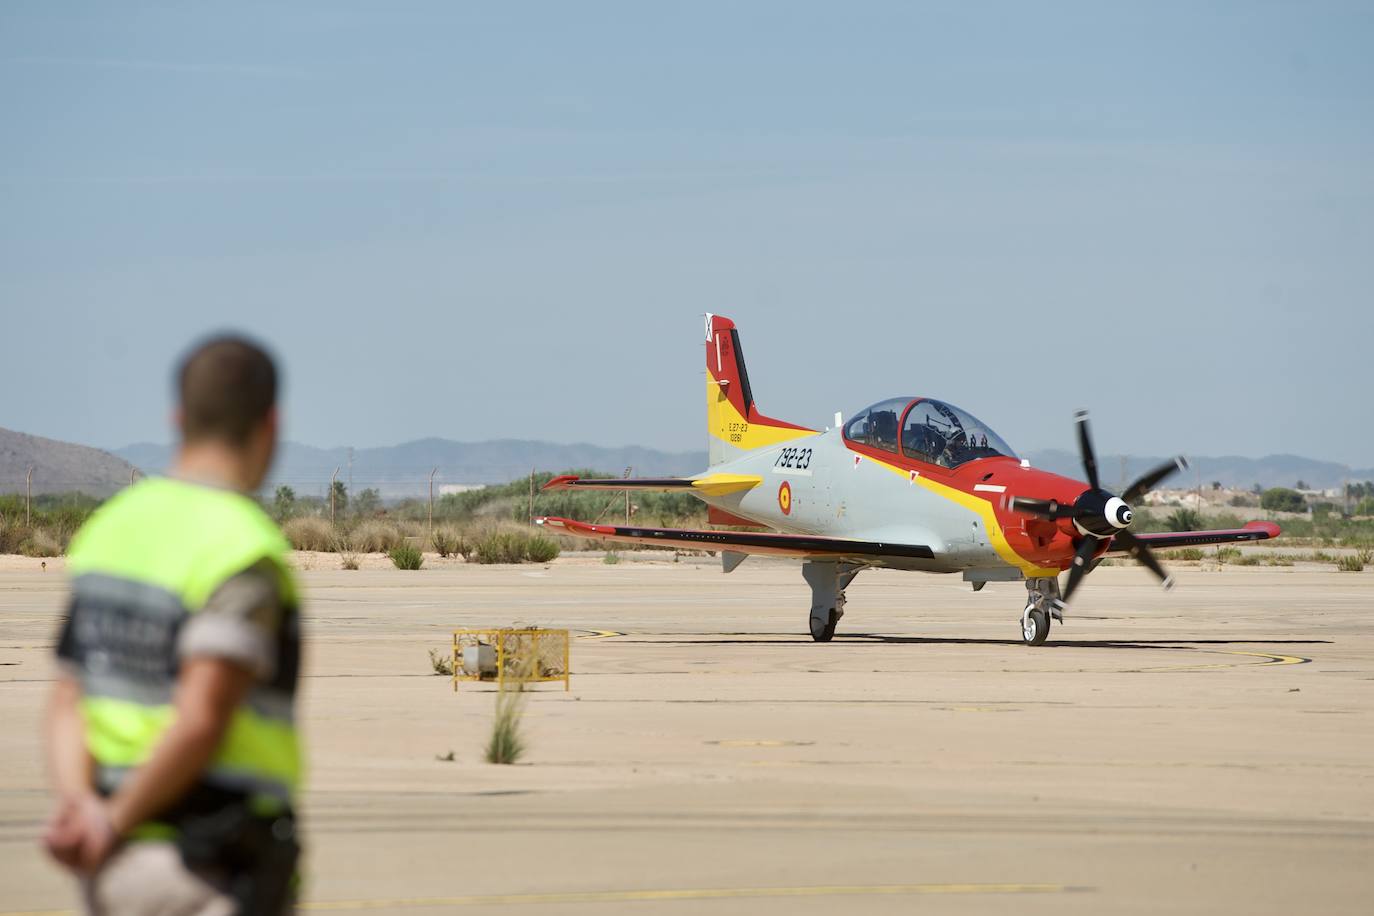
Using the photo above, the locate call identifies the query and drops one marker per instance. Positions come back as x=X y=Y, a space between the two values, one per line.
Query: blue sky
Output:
x=504 y=220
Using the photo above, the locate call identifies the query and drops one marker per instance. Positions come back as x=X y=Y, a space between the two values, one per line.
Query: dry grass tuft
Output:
x=309 y=532
x=376 y=536
x=441 y=662
x=42 y=543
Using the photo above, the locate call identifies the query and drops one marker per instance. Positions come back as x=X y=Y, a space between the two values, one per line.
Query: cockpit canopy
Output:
x=930 y=431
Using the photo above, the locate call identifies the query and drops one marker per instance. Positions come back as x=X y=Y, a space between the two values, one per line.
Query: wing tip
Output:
x=1270 y=529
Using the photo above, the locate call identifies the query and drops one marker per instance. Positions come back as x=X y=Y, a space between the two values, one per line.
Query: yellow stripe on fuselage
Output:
x=724 y=422
x=983 y=509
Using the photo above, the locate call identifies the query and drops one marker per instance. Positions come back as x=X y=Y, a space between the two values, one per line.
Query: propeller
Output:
x=1099 y=515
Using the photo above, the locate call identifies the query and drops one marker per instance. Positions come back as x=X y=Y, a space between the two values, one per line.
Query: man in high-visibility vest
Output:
x=171 y=736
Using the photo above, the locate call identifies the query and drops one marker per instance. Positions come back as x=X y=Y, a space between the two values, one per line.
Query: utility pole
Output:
x=627 y=496
x=333 y=477
x=431 y=504
x=530 y=515
x=133 y=475
x=28 y=495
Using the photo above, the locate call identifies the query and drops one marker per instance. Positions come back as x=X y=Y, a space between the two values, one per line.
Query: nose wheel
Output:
x=823 y=630
x=828 y=580
x=1035 y=626
x=1042 y=607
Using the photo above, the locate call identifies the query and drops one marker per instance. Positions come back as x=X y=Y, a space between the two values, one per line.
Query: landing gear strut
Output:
x=1042 y=606
x=828 y=580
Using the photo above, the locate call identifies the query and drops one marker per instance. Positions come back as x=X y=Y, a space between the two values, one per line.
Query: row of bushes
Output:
x=486 y=545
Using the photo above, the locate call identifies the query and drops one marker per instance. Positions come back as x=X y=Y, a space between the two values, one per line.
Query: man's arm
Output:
x=208 y=690
x=69 y=763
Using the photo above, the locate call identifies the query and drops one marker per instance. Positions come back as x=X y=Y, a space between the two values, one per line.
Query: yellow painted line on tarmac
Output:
x=1270 y=659
x=595 y=634
x=707 y=893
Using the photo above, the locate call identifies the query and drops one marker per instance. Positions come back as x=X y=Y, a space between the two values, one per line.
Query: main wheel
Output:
x=824 y=632
x=1035 y=627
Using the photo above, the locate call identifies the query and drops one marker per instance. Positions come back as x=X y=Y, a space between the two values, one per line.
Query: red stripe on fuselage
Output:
x=1035 y=540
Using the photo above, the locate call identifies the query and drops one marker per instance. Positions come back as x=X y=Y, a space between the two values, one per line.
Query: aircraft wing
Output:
x=752 y=542
x=1254 y=531
x=710 y=484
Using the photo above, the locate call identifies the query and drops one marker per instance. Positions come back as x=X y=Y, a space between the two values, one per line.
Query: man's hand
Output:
x=80 y=835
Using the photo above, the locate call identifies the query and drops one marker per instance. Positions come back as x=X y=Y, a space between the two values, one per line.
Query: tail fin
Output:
x=733 y=421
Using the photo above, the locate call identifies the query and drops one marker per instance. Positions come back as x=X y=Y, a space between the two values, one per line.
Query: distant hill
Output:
x=58 y=467
x=403 y=470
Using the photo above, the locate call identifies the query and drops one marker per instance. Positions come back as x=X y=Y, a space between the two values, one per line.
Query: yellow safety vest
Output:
x=145 y=562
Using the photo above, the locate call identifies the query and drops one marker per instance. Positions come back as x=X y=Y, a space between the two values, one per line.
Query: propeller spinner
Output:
x=1100 y=515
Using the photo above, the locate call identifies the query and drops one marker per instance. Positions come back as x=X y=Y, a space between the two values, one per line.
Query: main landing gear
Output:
x=828 y=580
x=1042 y=606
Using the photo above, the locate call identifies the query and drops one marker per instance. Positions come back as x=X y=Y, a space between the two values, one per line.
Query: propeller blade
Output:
x=1050 y=509
x=1085 y=449
x=1148 y=482
x=1081 y=558
x=1142 y=554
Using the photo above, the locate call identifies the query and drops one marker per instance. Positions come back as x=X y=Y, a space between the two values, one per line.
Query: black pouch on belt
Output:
x=255 y=854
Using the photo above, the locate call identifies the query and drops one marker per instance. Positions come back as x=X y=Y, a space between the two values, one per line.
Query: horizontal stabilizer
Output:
x=710 y=485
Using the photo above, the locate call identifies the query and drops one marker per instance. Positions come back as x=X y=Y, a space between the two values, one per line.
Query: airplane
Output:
x=909 y=483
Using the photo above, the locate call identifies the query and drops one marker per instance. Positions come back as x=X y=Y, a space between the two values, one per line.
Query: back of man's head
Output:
x=227 y=387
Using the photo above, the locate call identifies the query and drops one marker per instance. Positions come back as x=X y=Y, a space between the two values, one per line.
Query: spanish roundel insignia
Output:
x=785 y=498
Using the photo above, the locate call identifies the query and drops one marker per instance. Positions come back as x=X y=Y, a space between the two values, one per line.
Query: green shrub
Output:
x=1350 y=564
x=406 y=556
x=1282 y=499
x=1228 y=554
x=1183 y=553
x=1279 y=559
x=1184 y=520
x=447 y=542
x=374 y=536
x=1248 y=560
x=308 y=532
x=611 y=558
x=511 y=545
x=541 y=549
x=498 y=546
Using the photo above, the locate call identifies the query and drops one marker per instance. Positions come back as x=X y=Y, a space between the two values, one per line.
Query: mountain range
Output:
x=403 y=470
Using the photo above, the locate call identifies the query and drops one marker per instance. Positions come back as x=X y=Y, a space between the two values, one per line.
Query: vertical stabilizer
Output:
x=733 y=421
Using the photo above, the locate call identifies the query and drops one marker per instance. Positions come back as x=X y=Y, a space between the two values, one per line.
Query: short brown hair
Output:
x=227 y=386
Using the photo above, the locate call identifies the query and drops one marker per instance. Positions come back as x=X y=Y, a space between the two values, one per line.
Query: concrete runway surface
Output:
x=1209 y=750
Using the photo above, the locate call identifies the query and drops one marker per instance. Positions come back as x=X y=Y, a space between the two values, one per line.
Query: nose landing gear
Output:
x=1042 y=606
x=828 y=580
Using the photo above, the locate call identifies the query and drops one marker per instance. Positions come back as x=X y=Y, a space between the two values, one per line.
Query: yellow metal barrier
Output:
x=525 y=656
